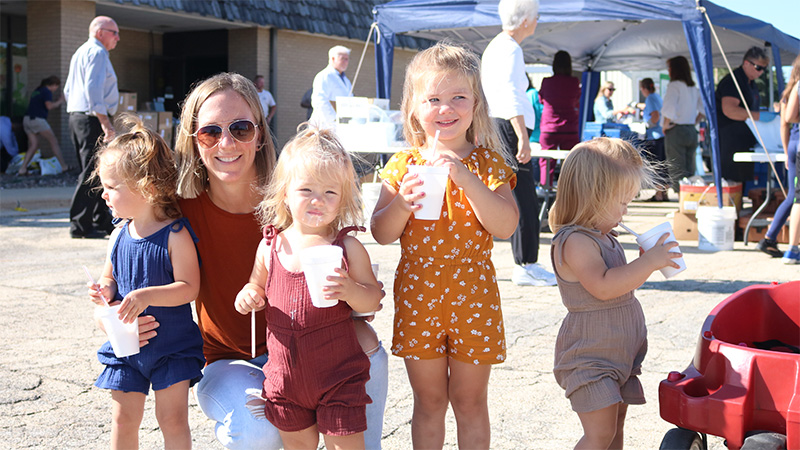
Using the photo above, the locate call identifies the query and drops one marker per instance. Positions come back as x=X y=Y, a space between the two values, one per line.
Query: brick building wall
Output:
x=248 y=52
x=57 y=28
x=131 y=61
x=300 y=56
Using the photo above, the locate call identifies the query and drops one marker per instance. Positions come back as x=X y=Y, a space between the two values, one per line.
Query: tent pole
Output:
x=364 y=52
x=744 y=102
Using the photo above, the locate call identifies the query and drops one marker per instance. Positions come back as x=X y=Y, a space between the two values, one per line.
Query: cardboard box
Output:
x=164 y=120
x=150 y=119
x=693 y=196
x=757 y=233
x=167 y=134
x=127 y=102
x=758 y=195
x=684 y=226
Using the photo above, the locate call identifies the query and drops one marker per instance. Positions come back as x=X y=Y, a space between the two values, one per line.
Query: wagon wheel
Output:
x=764 y=440
x=682 y=439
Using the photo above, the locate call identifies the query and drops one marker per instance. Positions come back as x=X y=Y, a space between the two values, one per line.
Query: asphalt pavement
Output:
x=48 y=362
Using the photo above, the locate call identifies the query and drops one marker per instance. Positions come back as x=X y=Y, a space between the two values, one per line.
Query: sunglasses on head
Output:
x=757 y=67
x=242 y=130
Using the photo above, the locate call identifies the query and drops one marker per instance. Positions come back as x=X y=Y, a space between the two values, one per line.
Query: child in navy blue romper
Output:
x=151 y=268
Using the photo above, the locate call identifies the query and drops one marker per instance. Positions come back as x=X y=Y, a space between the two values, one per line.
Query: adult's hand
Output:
x=523 y=145
x=147 y=329
x=109 y=133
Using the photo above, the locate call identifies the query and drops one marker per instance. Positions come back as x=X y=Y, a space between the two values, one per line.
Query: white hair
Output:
x=338 y=50
x=98 y=23
x=514 y=12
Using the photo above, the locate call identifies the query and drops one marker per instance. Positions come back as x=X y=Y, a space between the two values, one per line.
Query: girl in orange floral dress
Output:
x=448 y=325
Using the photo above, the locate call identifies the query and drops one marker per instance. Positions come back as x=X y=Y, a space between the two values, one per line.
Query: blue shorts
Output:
x=128 y=377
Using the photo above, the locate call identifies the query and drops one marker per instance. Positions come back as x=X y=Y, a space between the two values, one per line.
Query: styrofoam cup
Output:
x=124 y=337
x=375 y=267
x=318 y=263
x=434 y=180
x=648 y=240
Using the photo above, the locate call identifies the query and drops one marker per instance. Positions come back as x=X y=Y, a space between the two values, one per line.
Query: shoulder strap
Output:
x=270 y=233
x=179 y=224
x=340 y=241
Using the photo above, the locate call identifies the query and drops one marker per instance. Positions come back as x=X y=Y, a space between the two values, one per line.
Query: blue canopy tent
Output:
x=599 y=35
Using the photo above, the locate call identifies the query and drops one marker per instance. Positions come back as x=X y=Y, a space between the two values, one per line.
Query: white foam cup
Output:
x=318 y=263
x=375 y=267
x=434 y=180
x=124 y=337
x=648 y=240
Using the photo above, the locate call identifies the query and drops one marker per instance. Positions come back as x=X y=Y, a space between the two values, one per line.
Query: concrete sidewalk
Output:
x=48 y=362
x=44 y=199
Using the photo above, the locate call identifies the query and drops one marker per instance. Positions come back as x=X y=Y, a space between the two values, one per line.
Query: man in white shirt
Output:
x=267 y=101
x=92 y=98
x=504 y=83
x=330 y=83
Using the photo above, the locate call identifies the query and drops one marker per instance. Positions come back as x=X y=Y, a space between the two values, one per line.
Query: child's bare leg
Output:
x=468 y=392
x=302 y=440
x=617 y=444
x=126 y=413
x=172 y=413
x=429 y=380
x=599 y=428
x=351 y=441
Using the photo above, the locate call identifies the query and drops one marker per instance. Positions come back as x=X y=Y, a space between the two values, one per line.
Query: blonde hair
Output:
x=794 y=77
x=318 y=154
x=433 y=63
x=603 y=87
x=193 y=175
x=145 y=162
x=596 y=175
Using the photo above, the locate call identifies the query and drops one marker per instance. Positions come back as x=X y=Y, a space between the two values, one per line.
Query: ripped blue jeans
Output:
x=230 y=394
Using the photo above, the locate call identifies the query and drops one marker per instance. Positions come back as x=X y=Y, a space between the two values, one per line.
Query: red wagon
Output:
x=744 y=381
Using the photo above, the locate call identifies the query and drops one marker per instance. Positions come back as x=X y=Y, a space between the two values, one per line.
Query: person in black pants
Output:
x=89 y=215
x=504 y=84
x=525 y=240
x=92 y=98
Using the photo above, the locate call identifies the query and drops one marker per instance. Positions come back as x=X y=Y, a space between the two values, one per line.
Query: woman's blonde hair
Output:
x=145 y=162
x=432 y=64
x=603 y=87
x=596 y=175
x=318 y=154
x=193 y=175
x=794 y=77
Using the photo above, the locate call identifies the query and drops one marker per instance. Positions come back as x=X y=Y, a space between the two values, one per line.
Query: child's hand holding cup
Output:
x=649 y=239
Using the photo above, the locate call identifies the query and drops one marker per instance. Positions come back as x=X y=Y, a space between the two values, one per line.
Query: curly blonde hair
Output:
x=318 y=154
x=432 y=64
x=142 y=158
x=596 y=175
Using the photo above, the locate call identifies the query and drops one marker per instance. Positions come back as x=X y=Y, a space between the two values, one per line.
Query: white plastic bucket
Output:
x=715 y=228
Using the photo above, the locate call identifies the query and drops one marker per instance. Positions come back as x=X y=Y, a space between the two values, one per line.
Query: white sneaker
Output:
x=532 y=275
